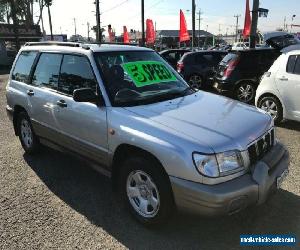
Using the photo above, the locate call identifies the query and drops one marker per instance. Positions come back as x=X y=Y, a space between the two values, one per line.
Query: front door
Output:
x=288 y=83
x=83 y=126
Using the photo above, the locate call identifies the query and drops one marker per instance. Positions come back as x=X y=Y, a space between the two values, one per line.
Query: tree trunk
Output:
x=15 y=23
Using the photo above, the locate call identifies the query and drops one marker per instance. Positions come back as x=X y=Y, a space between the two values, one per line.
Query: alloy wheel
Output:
x=270 y=107
x=245 y=92
x=143 y=194
x=195 y=81
x=26 y=133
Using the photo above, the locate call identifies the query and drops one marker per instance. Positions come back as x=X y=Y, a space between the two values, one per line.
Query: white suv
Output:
x=279 y=89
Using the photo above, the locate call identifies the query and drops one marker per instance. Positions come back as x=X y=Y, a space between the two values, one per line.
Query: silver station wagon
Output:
x=132 y=117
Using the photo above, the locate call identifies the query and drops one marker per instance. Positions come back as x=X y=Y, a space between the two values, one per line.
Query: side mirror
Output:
x=87 y=95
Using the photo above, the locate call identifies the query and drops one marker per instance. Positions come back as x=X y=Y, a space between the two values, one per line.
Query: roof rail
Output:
x=115 y=43
x=67 y=44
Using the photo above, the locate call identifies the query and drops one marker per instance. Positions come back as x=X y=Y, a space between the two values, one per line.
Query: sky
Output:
x=216 y=15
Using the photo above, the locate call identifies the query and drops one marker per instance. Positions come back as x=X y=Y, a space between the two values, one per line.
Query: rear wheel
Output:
x=272 y=106
x=245 y=92
x=195 y=81
x=28 y=139
x=146 y=191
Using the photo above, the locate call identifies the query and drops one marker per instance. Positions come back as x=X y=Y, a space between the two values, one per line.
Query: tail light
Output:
x=230 y=67
x=180 y=67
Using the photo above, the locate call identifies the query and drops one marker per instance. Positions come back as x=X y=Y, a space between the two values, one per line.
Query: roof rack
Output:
x=67 y=44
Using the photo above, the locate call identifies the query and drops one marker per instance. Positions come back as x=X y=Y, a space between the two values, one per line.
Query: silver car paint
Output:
x=170 y=130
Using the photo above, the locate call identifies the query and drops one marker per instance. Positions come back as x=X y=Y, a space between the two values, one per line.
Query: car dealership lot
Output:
x=55 y=201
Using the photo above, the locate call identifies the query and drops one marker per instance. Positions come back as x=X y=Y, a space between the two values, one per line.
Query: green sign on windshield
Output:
x=148 y=72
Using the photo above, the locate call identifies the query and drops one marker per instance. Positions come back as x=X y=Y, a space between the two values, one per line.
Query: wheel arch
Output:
x=125 y=150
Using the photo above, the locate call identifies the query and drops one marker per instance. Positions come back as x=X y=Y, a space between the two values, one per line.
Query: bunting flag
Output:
x=247 y=25
x=183 y=32
x=150 y=32
x=125 y=35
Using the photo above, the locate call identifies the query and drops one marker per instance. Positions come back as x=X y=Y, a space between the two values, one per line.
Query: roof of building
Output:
x=175 y=33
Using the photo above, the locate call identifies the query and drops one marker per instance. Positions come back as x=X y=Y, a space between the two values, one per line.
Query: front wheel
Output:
x=245 y=92
x=273 y=107
x=146 y=191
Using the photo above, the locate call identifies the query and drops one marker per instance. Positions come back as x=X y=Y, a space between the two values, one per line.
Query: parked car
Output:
x=239 y=73
x=240 y=46
x=279 y=90
x=7 y=55
x=198 y=68
x=172 y=56
x=129 y=113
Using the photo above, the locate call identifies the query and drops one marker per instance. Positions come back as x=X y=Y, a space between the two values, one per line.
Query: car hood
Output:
x=214 y=121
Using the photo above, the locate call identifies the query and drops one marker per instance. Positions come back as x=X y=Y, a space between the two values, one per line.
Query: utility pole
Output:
x=193 y=22
x=284 y=24
x=99 y=31
x=199 y=19
x=88 y=30
x=254 y=23
x=50 y=22
x=143 y=22
x=237 y=27
x=75 y=26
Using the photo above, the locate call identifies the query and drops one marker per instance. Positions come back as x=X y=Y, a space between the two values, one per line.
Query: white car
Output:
x=240 y=46
x=279 y=90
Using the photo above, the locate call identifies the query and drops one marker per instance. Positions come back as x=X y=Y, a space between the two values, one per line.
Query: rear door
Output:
x=44 y=85
x=19 y=85
x=82 y=126
x=288 y=83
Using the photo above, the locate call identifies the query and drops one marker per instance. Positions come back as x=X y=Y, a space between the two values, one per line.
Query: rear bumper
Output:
x=223 y=86
x=232 y=196
x=9 y=112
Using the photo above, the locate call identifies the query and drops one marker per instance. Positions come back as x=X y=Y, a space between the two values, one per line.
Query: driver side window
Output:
x=76 y=73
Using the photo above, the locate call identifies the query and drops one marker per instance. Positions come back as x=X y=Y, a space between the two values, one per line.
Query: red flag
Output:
x=247 y=25
x=150 y=32
x=183 y=32
x=125 y=35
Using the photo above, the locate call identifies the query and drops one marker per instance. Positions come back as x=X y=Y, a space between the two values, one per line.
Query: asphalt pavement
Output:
x=54 y=201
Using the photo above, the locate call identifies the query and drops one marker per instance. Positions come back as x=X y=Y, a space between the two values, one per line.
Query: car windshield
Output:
x=136 y=78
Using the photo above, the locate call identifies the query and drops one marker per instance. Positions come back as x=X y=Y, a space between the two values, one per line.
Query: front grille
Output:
x=261 y=146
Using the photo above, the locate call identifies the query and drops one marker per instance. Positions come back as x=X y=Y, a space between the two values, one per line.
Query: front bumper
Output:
x=237 y=194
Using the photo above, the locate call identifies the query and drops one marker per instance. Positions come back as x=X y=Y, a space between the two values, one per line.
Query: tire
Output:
x=272 y=106
x=245 y=92
x=28 y=139
x=195 y=81
x=146 y=191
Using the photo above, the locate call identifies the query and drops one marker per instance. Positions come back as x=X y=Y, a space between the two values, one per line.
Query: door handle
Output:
x=283 y=78
x=62 y=103
x=30 y=92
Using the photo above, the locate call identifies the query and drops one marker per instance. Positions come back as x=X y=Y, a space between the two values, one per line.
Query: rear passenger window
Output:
x=23 y=66
x=76 y=73
x=291 y=64
x=47 y=71
x=297 y=66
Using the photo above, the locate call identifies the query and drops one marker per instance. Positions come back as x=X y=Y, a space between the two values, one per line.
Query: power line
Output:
x=114 y=7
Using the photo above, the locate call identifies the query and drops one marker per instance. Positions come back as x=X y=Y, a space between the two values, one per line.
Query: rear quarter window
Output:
x=23 y=66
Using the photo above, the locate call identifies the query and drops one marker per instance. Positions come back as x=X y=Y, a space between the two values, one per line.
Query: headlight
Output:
x=221 y=164
x=230 y=162
x=206 y=164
